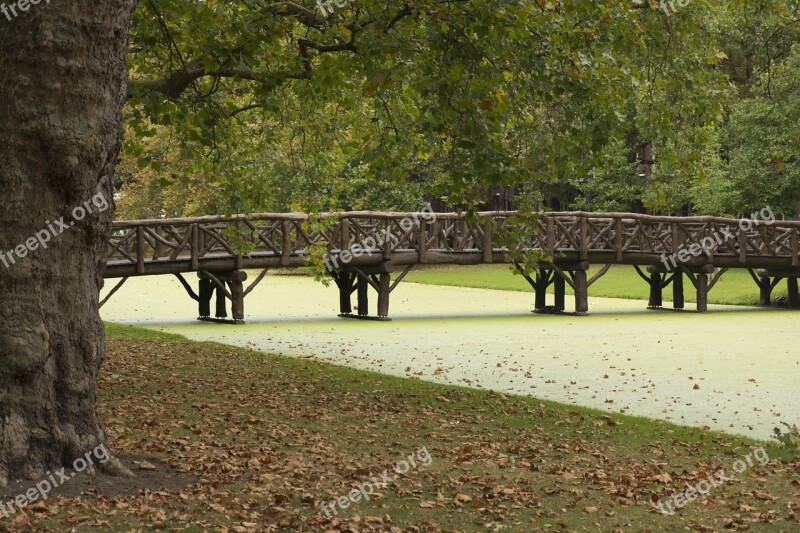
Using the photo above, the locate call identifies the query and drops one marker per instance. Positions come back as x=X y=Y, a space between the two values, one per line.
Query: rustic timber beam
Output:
x=790 y=273
x=117 y=287
x=231 y=275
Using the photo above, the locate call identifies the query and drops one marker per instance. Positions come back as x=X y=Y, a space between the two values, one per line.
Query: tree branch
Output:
x=176 y=83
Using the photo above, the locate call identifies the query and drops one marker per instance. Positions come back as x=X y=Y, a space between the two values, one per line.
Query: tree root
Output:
x=114 y=467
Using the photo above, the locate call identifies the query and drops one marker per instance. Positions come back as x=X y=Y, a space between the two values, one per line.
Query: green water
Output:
x=745 y=362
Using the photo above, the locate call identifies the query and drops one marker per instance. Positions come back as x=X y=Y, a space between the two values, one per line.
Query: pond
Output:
x=733 y=369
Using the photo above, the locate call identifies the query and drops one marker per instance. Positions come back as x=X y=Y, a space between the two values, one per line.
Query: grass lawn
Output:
x=271 y=437
x=736 y=287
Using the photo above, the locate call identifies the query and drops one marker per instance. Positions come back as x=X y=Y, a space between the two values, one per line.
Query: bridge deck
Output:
x=368 y=245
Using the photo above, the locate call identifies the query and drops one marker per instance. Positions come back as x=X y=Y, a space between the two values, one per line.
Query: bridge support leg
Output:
x=559 y=288
x=222 y=308
x=363 y=296
x=540 y=287
x=702 y=292
x=227 y=285
x=656 y=280
x=344 y=280
x=794 y=297
x=656 y=300
x=765 y=291
x=237 y=299
x=360 y=280
x=384 y=289
x=206 y=291
x=581 y=291
x=659 y=278
x=767 y=279
x=677 y=290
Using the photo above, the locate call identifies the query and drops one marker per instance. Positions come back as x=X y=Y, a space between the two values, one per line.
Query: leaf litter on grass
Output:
x=267 y=439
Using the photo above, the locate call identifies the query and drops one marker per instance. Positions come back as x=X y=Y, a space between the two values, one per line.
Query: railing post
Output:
x=675 y=244
x=742 y=246
x=286 y=245
x=156 y=243
x=387 y=240
x=584 y=236
x=344 y=234
x=423 y=242
x=195 y=246
x=139 y=250
x=488 y=228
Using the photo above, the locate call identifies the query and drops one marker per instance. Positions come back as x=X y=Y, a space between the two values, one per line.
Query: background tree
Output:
x=378 y=104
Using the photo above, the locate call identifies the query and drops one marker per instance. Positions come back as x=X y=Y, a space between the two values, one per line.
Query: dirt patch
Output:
x=161 y=477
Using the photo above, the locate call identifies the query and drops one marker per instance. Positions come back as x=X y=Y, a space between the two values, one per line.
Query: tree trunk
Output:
x=62 y=87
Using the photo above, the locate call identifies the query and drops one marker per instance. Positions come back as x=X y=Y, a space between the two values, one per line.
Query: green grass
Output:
x=270 y=437
x=736 y=287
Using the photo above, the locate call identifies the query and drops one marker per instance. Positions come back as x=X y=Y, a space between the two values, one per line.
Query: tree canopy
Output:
x=254 y=105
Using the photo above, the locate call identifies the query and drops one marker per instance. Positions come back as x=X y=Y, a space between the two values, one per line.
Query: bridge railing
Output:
x=285 y=239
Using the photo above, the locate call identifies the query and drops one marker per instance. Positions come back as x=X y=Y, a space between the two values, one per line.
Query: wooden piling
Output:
x=237 y=299
x=765 y=291
x=559 y=287
x=363 y=296
x=221 y=310
x=702 y=292
x=581 y=292
x=345 y=284
x=384 y=289
x=205 y=292
x=677 y=291
x=794 y=298
x=656 y=300
x=540 y=287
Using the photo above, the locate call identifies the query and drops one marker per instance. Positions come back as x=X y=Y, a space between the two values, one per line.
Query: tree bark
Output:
x=62 y=87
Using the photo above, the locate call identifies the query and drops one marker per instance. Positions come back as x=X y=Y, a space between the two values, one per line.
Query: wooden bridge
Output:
x=362 y=249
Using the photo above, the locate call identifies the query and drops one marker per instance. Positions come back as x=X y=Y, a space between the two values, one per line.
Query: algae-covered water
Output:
x=732 y=369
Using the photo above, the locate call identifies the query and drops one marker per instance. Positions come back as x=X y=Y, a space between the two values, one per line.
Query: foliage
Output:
x=763 y=142
x=264 y=105
x=790 y=438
